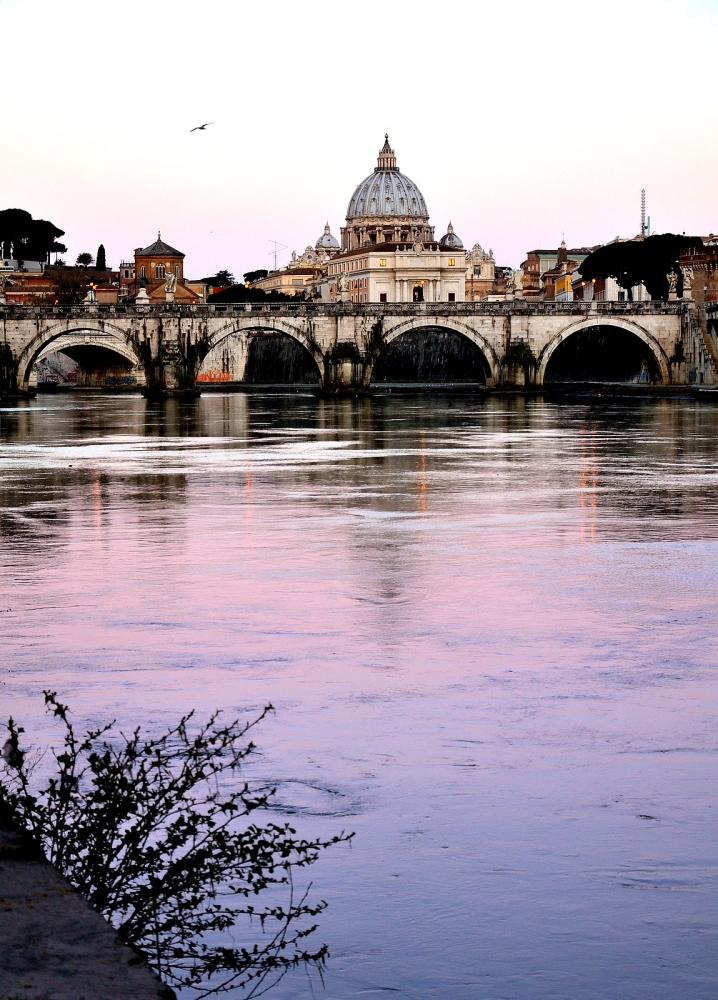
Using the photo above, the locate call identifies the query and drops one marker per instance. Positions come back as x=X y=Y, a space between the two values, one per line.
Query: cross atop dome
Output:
x=386 y=160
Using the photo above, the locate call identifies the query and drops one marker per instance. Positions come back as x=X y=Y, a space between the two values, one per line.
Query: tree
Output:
x=14 y=227
x=70 y=283
x=635 y=262
x=101 y=263
x=156 y=833
x=221 y=278
x=41 y=241
x=244 y=293
x=84 y=260
x=251 y=276
x=25 y=238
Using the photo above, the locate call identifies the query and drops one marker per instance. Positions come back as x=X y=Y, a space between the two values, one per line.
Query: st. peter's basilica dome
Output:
x=387 y=192
x=387 y=207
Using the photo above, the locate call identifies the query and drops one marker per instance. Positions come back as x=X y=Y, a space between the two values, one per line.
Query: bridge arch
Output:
x=83 y=333
x=262 y=325
x=591 y=322
x=427 y=321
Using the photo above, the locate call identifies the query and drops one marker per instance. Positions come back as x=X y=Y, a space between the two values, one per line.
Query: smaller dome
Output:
x=451 y=240
x=326 y=241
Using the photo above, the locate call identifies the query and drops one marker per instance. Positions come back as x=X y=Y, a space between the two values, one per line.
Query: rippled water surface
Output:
x=489 y=631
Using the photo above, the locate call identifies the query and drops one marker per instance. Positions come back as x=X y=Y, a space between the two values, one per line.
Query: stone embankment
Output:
x=53 y=945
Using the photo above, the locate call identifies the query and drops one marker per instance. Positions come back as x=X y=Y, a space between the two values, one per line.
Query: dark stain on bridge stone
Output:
x=431 y=354
x=376 y=341
x=276 y=358
x=8 y=370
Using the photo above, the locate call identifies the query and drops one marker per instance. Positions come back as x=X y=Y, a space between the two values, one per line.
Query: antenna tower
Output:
x=277 y=247
x=643 y=211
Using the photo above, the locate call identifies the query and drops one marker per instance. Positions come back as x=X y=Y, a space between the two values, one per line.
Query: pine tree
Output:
x=101 y=263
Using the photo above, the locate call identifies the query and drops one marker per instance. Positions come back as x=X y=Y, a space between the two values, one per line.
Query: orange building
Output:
x=153 y=265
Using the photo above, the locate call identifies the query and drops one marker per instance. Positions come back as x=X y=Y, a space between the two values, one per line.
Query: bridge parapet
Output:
x=522 y=307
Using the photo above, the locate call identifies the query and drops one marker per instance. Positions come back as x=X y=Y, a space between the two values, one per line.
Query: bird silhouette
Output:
x=201 y=128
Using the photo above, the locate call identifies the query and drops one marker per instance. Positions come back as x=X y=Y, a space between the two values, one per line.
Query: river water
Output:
x=488 y=628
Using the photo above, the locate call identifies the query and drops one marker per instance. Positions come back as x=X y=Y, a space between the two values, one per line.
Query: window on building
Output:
x=452 y=296
x=382 y=296
x=177 y=270
x=143 y=273
x=382 y=262
x=452 y=261
x=159 y=270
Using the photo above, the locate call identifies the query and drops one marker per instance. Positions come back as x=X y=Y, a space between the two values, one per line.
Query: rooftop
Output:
x=159 y=249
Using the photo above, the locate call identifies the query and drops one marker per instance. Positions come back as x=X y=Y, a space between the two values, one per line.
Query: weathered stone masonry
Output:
x=170 y=341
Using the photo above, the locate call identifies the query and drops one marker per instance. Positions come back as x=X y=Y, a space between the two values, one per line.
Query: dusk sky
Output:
x=521 y=123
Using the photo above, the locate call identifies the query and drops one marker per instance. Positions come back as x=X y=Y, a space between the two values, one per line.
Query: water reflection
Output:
x=487 y=625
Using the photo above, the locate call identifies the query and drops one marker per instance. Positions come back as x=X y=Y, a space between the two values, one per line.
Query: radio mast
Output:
x=277 y=247
x=643 y=211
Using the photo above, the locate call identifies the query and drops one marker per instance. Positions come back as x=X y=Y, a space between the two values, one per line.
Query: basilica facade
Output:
x=388 y=250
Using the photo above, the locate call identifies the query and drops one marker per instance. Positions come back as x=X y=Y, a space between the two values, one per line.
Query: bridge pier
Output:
x=172 y=353
x=346 y=370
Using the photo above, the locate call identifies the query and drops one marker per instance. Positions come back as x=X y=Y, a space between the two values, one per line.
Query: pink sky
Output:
x=520 y=123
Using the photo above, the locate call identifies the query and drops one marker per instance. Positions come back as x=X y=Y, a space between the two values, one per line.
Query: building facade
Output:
x=302 y=272
x=481 y=274
x=542 y=267
x=701 y=263
x=397 y=273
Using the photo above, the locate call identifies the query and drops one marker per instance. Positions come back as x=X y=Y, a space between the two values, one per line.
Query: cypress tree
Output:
x=101 y=263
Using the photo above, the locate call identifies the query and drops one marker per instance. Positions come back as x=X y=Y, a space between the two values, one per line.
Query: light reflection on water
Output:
x=488 y=628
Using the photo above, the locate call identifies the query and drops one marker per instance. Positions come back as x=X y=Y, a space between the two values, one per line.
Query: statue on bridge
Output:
x=687 y=282
x=170 y=286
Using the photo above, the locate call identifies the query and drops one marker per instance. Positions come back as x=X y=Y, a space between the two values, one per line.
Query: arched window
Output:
x=159 y=271
x=143 y=273
x=177 y=270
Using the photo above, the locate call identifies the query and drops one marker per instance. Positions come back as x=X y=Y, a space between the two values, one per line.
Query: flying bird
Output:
x=201 y=128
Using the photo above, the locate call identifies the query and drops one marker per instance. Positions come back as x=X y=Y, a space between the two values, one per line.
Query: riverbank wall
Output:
x=53 y=944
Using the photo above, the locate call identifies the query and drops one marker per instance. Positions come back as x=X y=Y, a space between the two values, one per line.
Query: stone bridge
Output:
x=173 y=347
